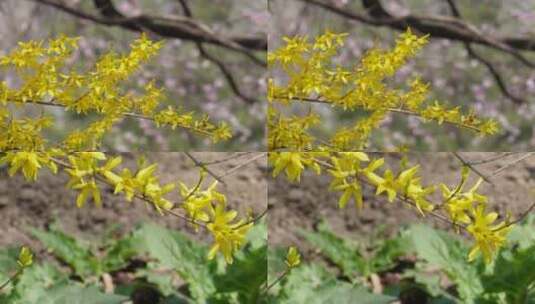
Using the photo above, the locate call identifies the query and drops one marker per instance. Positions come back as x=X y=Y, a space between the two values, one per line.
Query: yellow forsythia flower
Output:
x=25 y=257
x=197 y=203
x=293 y=163
x=489 y=238
x=29 y=162
x=293 y=258
x=228 y=236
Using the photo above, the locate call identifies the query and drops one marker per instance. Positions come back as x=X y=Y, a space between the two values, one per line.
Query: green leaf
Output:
x=45 y=284
x=175 y=251
x=302 y=282
x=74 y=294
x=437 y=248
x=275 y=259
x=513 y=273
x=164 y=281
x=70 y=250
x=387 y=252
x=523 y=234
x=257 y=235
x=312 y=284
x=245 y=276
x=340 y=251
x=8 y=264
x=342 y=292
x=34 y=283
x=118 y=253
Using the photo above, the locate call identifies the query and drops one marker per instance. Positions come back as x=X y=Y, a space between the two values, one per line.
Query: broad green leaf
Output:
x=257 y=236
x=523 y=234
x=343 y=292
x=387 y=252
x=513 y=273
x=340 y=251
x=431 y=281
x=118 y=253
x=164 y=281
x=8 y=265
x=275 y=259
x=311 y=284
x=302 y=282
x=70 y=250
x=74 y=294
x=34 y=283
x=440 y=249
x=175 y=251
x=245 y=276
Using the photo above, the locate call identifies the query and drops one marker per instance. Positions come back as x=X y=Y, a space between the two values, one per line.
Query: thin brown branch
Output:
x=137 y=196
x=491 y=158
x=226 y=73
x=200 y=164
x=126 y=114
x=472 y=168
x=393 y=110
x=226 y=159
x=245 y=163
x=509 y=164
x=523 y=215
x=277 y=280
x=492 y=69
x=11 y=278
x=219 y=63
x=255 y=219
x=404 y=200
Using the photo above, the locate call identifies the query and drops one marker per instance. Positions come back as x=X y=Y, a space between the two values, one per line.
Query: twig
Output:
x=394 y=110
x=437 y=26
x=277 y=280
x=138 y=196
x=225 y=159
x=166 y=27
x=127 y=114
x=200 y=164
x=509 y=164
x=497 y=77
x=401 y=199
x=222 y=67
x=255 y=219
x=232 y=170
x=522 y=215
x=476 y=171
x=10 y=279
x=491 y=159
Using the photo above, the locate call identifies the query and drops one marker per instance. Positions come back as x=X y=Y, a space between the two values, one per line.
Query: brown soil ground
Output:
x=303 y=205
x=24 y=205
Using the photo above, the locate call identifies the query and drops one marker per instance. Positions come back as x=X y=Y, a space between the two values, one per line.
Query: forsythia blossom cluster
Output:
x=351 y=171
x=310 y=75
x=88 y=171
x=209 y=206
x=44 y=80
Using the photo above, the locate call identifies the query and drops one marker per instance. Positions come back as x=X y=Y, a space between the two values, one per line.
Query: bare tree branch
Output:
x=469 y=165
x=219 y=63
x=493 y=70
x=437 y=26
x=166 y=26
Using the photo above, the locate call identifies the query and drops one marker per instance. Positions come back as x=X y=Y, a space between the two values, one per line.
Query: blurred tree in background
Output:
x=480 y=55
x=213 y=60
